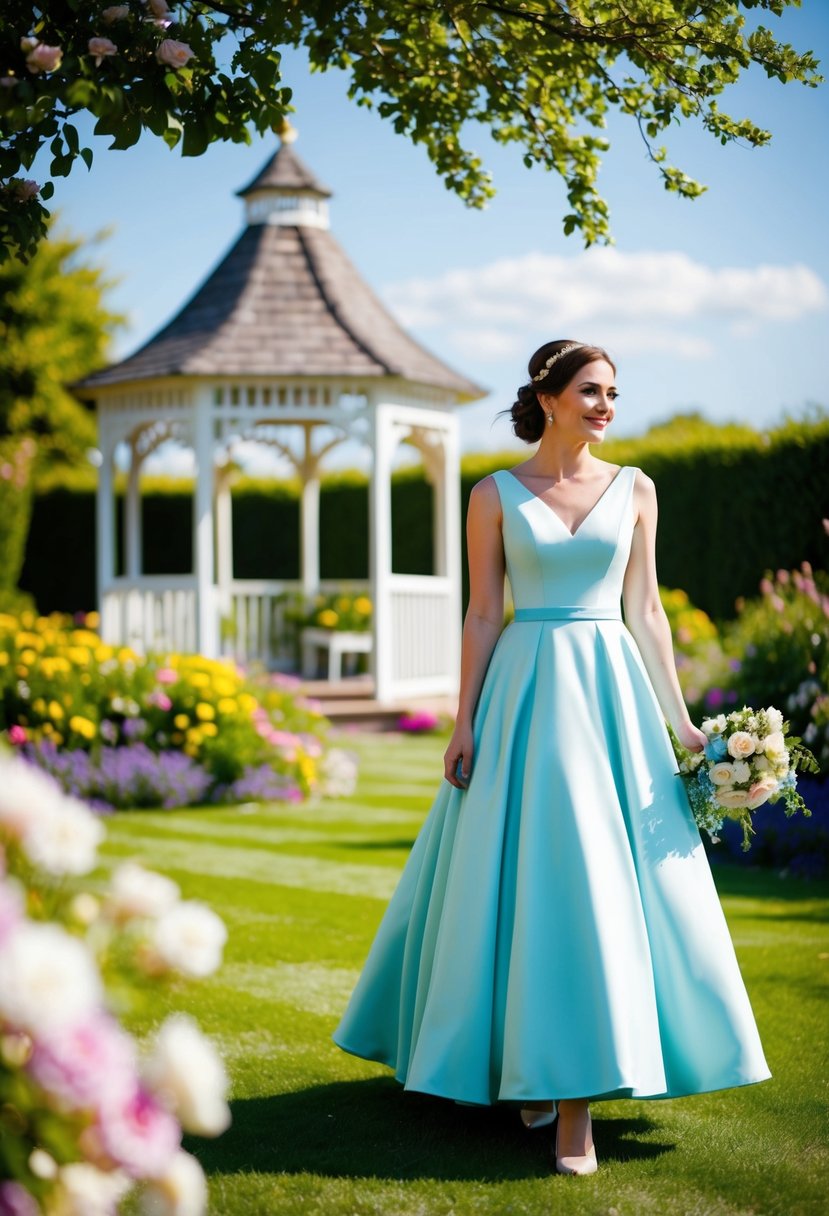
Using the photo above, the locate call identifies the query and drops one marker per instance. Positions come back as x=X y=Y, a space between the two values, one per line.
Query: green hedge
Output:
x=733 y=503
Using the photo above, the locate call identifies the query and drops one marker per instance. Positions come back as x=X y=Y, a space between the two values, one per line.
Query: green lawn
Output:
x=302 y=889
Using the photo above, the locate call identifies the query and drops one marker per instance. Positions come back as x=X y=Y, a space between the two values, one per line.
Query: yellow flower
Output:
x=83 y=726
x=102 y=653
x=78 y=655
x=93 y=620
x=39 y=705
x=194 y=736
x=307 y=768
x=198 y=679
x=29 y=655
x=227 y=705
x=224 y=688
x=4 y=658
x=205 y=712
x=126 y=655
x=247 y=703
x=57 y=738
x=327 y=618
x=210 y=729
x=181 y=721
x=362 y=604
x=21 y=669
x=47 y=728
x=342 y=603
x=55 y=709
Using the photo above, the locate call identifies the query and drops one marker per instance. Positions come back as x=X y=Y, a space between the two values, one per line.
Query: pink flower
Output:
x=100 y=48
x=42 y=58
x=116 y=12
x=89 y=1065
x=138 y=1134
x=160 y=700
x=15 y=1200
x=17 y=734
x=166 y=675
x=160 y=9
x=173 y=54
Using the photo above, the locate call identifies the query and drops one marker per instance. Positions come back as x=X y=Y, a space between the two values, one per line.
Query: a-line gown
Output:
x=556 y=931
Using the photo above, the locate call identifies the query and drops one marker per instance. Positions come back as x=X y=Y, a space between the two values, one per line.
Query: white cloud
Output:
x=644 y=301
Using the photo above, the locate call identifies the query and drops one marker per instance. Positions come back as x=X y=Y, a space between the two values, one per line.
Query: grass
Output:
x=317 y=1131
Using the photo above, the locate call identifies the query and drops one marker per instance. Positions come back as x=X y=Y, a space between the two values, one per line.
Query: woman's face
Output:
x=585 y=407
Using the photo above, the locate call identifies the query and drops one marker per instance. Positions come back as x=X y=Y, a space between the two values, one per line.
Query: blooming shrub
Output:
x=337 y=611
x=124 y=730
x=779 y=645
x=88 y=1113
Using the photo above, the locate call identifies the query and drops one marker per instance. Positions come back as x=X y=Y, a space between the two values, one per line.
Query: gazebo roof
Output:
x=284 y=301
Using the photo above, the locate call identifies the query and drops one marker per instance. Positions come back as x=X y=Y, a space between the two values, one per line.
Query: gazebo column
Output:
x=224 y=537
x=105 y=530
x=382 y=443
x=207 y=631
x=310 y=528
x=132 y=516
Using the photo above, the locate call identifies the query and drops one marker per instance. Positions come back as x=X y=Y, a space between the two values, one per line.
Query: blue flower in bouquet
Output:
x=716 y=748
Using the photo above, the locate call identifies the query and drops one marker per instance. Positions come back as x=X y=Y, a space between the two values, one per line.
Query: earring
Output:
x=550 y=418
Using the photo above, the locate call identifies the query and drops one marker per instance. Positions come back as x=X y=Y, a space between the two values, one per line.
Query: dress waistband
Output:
x=568 y=612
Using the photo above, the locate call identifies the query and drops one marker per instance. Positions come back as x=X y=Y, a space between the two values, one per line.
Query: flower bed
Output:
x=122 y=730
x=87 y=1113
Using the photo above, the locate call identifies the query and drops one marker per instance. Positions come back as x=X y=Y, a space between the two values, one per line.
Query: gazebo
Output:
x=283 y=341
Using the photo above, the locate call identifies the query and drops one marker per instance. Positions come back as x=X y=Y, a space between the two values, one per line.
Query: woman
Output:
x=556 y=936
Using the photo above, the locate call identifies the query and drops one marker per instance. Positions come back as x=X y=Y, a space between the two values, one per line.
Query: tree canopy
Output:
x=54 y=328
x=542 y=74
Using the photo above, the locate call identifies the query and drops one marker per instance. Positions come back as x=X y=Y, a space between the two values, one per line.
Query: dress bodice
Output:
x=547 y=565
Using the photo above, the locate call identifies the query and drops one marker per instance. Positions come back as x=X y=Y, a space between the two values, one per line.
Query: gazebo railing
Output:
x=256 y=628
x=152 y=612
x=423 y=626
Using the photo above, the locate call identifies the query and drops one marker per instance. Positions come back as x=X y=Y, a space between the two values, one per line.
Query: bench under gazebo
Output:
x=283 y=339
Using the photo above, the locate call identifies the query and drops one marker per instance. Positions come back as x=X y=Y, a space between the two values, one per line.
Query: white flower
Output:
x=42 y=1164
x=338 y=773
x=47 y=977
x=84 y=908
x=775 y=719
x=64 y=838
x=740 y=745
x=25 y=794
x=135 y=891
x=84 y=1190
x=775 y=747
x=180 y=1191
x=742 y=771
x=722 y=773
x=731 y=798
x=714 y=726
x=186 y=1072
x=760 y=764
x=189 y=938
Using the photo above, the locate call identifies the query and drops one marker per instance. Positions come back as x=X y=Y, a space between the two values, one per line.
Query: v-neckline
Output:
x=555 y=513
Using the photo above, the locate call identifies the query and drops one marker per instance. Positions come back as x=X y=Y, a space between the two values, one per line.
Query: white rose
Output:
x=84 y=1190
x=731 y=798
x=714 y=726
x=64 y=839
x=775 y=719
x=136 y=892
x=47 y=977
x=338 y=773
x=740 y=745
x=775 y=745
x=189 y=938
x=759 y=764
x=26 y=794
x=722 y=773
x=186 y=1072
x=180 y=1191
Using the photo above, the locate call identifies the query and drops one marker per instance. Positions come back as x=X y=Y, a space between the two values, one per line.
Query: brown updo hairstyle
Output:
x=528 y=419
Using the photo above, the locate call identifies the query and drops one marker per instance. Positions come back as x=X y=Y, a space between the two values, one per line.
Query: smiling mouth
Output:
x=601 y=421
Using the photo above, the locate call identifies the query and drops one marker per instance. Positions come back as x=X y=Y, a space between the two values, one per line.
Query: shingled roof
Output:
x=284 y=301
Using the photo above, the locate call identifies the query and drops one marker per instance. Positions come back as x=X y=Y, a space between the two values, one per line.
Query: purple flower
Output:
x=714 y=698
x=15 y=1200
x=734 y=664
x=134 y=728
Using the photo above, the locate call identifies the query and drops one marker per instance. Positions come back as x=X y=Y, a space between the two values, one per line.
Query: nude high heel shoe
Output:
x=578 y=1165
x=537 y=1118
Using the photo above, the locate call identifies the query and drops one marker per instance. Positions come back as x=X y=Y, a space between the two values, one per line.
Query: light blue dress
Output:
x=556 y=931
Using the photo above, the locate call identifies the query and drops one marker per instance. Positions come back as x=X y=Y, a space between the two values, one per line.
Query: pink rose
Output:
x=138 y=1134
x=116 y=12
x=88 y=1065
x=17 y=734
x=100 y=48
x=173 y=54
x=43 y=58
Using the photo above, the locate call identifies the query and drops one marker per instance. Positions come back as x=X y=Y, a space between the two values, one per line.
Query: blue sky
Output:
x=718 y=304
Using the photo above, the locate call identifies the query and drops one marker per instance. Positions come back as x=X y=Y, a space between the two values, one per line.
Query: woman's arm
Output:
x=646 y=619
x=484 y=620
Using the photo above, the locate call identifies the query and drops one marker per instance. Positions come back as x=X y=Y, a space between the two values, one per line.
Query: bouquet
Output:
x=749 y=759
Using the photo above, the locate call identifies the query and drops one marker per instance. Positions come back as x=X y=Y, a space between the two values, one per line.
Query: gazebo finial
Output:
x=286 y=131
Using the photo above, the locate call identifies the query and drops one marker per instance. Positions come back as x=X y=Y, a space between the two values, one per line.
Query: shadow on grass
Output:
x=758 y=882
x=368 y=845
x=373 y=1128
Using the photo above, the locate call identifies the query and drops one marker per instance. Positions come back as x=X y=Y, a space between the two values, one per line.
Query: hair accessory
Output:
x=565 y=350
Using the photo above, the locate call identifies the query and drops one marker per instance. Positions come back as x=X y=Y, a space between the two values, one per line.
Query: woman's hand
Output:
x=691 y=737
x=460 y=748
